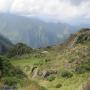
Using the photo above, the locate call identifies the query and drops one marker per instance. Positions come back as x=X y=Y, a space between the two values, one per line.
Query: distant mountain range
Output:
x=33 y=32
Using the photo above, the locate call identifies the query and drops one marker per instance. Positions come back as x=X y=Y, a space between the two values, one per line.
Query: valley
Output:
x=34 y=32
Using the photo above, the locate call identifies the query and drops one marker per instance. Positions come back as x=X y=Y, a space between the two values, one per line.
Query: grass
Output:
x=29 y=61
x=72 y=83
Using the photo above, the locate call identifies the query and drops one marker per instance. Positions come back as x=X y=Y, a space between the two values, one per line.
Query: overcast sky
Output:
x=63 y=10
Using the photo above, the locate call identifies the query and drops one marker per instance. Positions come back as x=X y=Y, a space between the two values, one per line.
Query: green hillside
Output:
x=61 y=67
x=9 y=74
x=5 y=44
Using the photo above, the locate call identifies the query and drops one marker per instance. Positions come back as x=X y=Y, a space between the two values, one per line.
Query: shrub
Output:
x=79 y=70
x=84 y=67
x=10 y=74
x=43 y=88
x=5 y=66
x=51 y=78
x=66 y=74
x=58 y=85
x=10 y=81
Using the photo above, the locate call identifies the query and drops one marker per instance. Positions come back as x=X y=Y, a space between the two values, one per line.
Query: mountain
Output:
x=33 y=32
x=5 y=44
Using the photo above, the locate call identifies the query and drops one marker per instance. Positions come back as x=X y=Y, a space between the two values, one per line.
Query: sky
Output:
x=61 y=10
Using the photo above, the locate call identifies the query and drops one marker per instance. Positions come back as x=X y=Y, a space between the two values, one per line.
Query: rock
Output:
x=45 y=73
x=45 y=52
x=35 y=73
x=33 y=68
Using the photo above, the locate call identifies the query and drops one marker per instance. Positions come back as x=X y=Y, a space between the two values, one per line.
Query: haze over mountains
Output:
x=34 y=32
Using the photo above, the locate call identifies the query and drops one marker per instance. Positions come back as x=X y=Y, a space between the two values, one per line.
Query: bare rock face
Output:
x=44 y=52
x=33 y=68
x=35 y=73
x=46 y=73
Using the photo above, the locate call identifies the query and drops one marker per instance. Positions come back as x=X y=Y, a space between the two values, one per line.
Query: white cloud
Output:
x=59 y=9
x=5 y=5
x=2 y=5
x=54 y=8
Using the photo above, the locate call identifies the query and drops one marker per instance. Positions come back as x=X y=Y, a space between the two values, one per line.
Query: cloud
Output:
x=65 y=10
x=5 y=5
x=77 y=2
x=54 y=8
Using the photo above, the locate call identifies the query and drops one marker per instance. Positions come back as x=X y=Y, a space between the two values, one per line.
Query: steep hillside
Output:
x=80 y=37
x=60 y=67
x=34 y=32
x=5 y=44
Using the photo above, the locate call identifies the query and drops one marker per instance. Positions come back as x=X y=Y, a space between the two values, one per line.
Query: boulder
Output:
x=46 y=73
x=35 y=73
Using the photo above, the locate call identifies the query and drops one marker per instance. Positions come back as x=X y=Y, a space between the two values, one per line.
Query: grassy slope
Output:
x=58 y=59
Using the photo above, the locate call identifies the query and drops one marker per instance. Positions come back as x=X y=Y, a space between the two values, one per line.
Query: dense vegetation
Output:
x=9 y=74
x=19 y=49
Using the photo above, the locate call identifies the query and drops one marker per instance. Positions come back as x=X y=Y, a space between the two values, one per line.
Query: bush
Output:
x=10 y=81
x=43 y=88
x=5 y=66
x=79 y=70
x=10 y=74
x=84 y=67
x=51 y=78
x=58 y=85
x=66 y=74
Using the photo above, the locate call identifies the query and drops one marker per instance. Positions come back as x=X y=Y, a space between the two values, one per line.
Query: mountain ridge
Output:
x=34 y=32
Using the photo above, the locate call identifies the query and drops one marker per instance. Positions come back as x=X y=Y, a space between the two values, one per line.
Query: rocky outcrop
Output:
x=82 y=36
x=46 y=73
x=36 y=72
